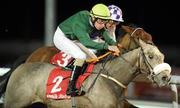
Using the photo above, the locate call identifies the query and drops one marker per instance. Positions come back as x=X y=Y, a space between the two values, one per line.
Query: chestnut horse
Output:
x=27 y=84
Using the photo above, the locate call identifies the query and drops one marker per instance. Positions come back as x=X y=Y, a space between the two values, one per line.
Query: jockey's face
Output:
x=100 y=23
x=111 y=24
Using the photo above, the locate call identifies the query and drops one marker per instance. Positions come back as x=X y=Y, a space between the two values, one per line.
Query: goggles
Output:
x=101 y=21
x=112 y=22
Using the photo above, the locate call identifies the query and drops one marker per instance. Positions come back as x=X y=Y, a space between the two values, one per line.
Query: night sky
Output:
x=23 y=20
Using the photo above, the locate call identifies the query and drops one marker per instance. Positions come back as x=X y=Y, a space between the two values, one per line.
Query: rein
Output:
x=114 y=80
x=108 y=76
x=98 y=58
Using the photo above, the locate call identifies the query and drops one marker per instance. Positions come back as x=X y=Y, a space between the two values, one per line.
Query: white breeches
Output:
x=66 y=45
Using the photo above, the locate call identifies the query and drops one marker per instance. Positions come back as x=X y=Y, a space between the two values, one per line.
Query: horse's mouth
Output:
x=162 y=74
x=162 y=79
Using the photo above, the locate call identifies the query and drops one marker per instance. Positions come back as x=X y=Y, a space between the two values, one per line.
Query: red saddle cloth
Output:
x=61 y=59
x=58 y=82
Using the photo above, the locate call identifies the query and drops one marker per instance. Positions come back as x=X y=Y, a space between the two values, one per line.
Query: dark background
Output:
x=22 y=24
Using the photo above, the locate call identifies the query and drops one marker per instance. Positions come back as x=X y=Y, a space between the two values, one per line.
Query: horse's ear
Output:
x=148 y=37
x=142 y=43
x=127 y=28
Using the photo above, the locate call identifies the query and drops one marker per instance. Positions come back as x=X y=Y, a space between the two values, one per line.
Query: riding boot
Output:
x=72 y=90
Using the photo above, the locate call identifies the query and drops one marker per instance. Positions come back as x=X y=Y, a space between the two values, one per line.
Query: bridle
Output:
x=147 y=63
x=139 y=69
x=150 y=72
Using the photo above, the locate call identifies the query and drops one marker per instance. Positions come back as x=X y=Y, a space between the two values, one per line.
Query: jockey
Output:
x=84 y=27
x=116 y=18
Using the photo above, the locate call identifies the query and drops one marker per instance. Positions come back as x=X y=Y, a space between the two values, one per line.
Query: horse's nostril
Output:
x=164 y=78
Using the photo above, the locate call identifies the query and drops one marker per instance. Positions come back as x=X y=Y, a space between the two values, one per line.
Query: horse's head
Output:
x=130 y=37
x=153 y=61
x=134 y=37
x=138 y=32
x=139 y=51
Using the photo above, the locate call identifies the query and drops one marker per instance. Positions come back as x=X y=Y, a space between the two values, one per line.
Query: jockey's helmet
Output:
x=100 y=11
x=115 y=13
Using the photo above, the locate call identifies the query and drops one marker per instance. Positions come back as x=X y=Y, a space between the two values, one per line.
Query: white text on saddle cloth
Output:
x=61 y=59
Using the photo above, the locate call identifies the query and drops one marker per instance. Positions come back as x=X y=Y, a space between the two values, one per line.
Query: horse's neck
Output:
x=121 y=68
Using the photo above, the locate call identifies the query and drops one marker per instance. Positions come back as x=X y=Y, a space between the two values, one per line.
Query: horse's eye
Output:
x=150 y=57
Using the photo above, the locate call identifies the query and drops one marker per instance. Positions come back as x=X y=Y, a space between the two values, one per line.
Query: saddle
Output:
x=59 y=77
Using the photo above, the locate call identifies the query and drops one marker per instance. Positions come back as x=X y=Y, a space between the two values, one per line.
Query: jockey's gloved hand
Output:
x=114 y=49
x=120 y=46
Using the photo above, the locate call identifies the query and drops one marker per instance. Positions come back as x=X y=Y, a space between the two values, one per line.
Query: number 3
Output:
x=65 y=59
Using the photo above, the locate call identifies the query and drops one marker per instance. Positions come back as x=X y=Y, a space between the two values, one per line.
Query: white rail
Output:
x=3 y=71
x=175 y=80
